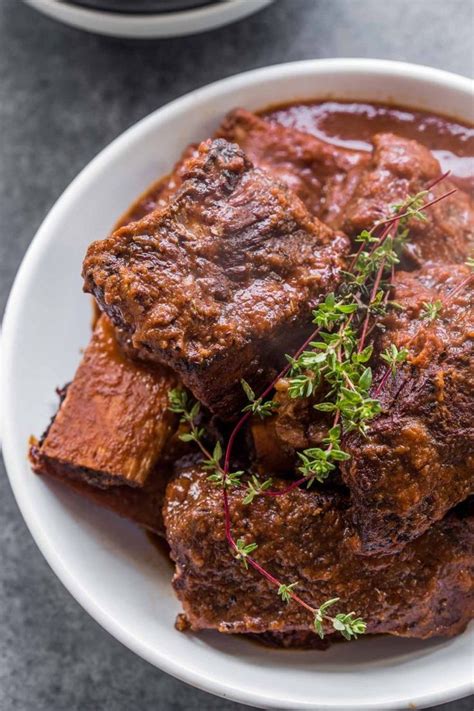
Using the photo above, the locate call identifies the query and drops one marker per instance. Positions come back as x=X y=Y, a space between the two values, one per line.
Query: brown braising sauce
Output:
x=351 y=125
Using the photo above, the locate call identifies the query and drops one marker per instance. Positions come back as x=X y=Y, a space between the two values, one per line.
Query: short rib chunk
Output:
x=220 y=283
x=302 y=161
x=424 y=591
x=417 y=460
x=111 y=429
x=399 y=168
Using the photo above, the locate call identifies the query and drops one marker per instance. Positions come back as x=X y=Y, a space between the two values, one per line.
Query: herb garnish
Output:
x=347 y=624
x=256 y=406
x=431 y=310
x=394 y=357
x=336 y=366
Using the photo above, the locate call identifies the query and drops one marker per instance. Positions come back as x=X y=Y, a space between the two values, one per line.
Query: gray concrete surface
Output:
x=63 y=96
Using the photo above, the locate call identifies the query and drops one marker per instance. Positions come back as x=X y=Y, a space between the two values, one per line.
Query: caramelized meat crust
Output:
x=220 y=283
x=307 y=165
x=402 y=167
x=425 y=591
x=114 y=422
x=417 y=460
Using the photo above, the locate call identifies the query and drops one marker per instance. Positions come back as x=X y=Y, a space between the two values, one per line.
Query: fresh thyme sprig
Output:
x=256 y=404
x=189 y=410
x=431 y=310
x=338 y=363
x=394 y=357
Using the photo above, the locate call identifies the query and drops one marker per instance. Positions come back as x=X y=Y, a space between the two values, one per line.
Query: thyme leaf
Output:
x=256 y=405
x=256 y=487
x=394 y=357
x=243 y=550
x=431 y=310
x=284 y=591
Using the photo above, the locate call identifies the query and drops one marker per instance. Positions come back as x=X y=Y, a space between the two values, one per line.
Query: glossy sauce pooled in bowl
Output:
x=351 y=125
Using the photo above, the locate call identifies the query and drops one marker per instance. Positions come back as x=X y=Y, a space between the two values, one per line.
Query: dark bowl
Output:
x=142 y=6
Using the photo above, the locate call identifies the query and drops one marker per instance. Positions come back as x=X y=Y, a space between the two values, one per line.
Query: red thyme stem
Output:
x=392 y=278
x=376 y=285
x=251 y=561
x=365 y=326
x=280 y=492
x=389 y=220
x=225 y=471
x=231 y=441
x=383 y=380
x=271 y=578
x=436 y=181
x=465 y=282
x=266 y=392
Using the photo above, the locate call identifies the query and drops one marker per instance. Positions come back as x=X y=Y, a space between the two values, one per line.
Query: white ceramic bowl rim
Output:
x=150 y=25
x=15 y=459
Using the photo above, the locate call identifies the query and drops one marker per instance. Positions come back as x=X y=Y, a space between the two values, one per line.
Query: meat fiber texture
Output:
x=399 y=168
x=424 y=591
x=351 y=190
x=309 y=166
x=142 y=506
x=220 y=283
x=417 y=458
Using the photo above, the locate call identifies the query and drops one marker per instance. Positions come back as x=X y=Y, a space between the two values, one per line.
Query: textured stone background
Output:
x=63 y=96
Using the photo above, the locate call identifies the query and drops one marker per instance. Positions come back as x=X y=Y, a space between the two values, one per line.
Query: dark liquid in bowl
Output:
x=352 y=124
x=141 y=6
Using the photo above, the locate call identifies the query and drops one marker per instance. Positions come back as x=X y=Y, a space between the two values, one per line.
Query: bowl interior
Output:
x=141 y=6
x=108 y=565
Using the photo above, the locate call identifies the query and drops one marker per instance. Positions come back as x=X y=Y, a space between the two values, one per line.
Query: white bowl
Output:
x=150 y=25
x=108 y=565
